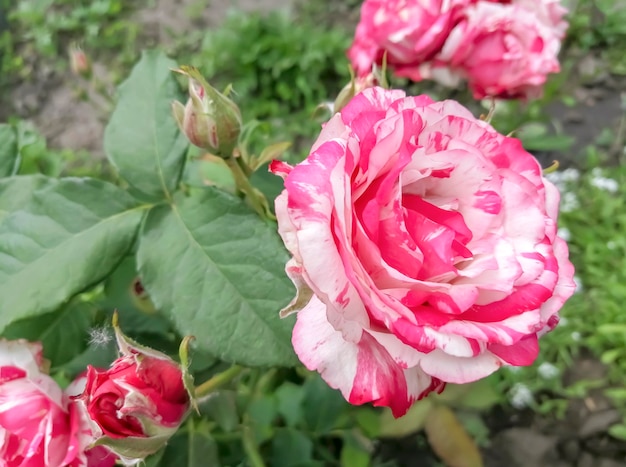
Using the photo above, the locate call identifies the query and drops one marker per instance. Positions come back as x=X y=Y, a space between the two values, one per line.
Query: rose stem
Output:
x=219 y=379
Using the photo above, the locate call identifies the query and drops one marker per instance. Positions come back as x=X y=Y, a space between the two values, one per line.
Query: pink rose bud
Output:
x=424 y=249
x=39 y=425
x=137 y=404
x=79 y=62
x=210 y=120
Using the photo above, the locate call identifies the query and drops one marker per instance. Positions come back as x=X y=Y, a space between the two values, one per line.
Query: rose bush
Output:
x=424 y=249
x=411 y=32
x=39 y=427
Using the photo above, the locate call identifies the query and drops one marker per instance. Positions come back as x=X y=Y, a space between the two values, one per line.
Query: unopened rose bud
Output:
x=79 y=62
x=355 y=86
x=137 y=404
x=210 y=120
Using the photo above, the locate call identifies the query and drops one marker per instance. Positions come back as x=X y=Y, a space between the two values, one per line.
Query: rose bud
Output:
x=137 y=404
x=39 y=425
x=210 y=120
x=79 y=62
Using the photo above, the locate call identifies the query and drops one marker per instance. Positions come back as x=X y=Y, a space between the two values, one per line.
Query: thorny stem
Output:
x=218 y=380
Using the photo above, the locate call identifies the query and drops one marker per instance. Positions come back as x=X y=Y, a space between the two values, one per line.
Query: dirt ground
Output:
x=52 y=101
x=518 y=438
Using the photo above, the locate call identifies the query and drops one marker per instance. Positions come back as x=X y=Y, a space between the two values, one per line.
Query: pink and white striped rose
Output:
x=503 y=50
x=411 y=32
x=39 y=426
x=424 y=249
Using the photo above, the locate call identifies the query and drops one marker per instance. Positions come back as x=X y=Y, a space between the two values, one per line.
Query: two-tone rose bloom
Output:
x=39 y=424
x=126 y=412
x=502 y=49
x=424 y=249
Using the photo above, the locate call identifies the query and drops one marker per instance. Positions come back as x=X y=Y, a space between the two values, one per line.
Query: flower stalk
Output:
x=218 y=380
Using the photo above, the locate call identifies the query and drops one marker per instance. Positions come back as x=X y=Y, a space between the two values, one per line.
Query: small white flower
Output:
x=563 y=177
x=605 y=183
x=513 y=369
x=520 y=396
x=569 y=202
x=564 y=233
x=611 y=245
x=575 y=336
x=571 y=175
x=563 y=321
x=548 y=371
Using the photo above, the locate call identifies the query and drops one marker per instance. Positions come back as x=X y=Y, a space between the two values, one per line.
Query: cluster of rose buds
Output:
x=502 y=48
x=121 y=414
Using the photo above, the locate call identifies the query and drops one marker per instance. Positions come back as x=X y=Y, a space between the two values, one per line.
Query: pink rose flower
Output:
x=502 y=50
x=137 y=404
x=411 y=32
x=97 y=456
x=136 y=391
x=39 y=427
x=424 y=249
x=549 y=12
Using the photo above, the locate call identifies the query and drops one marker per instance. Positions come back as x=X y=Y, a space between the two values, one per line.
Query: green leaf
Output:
x=142 y=139
x=262 y=413
x=133 y=315
x=67 y=238
x=368 y=420
x=290 y=448
x=270 y=153
x=289 y=398
x=411 y=422
x=17 y=192
x=479 y=395
x=9 y=153
x=191 y=447
x=63 y=333
x=209 y=170
x=353 y=452
x=219 y=271
x=323 y=405
x=222 y=408
x=102 y=351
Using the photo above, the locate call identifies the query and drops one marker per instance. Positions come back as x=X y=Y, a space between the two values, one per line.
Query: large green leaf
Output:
x=136 y=315
x=69 y=236
x=8 y=150
x=64 y=333
x=142 y=138
x=218 y=269
x=17 y=192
